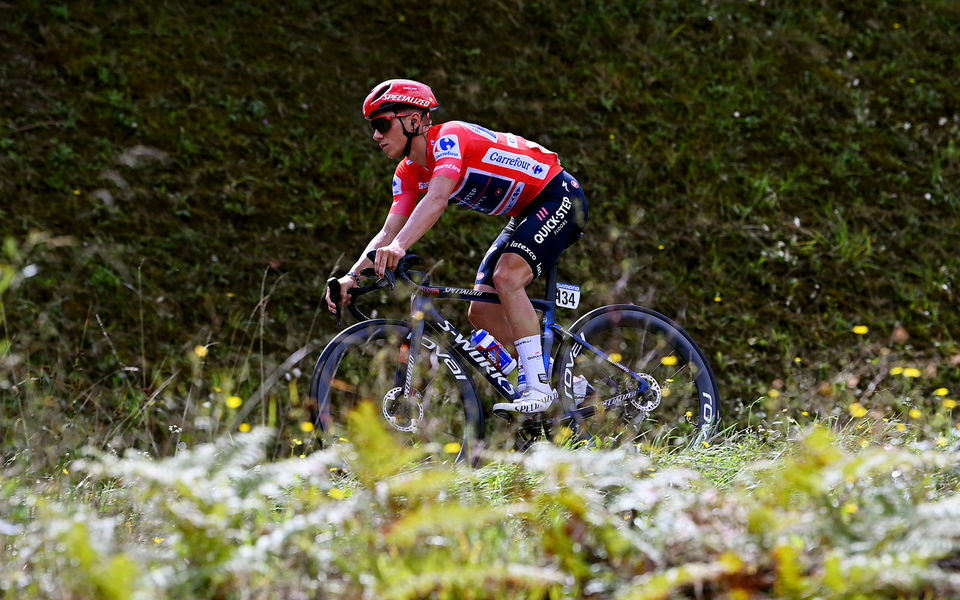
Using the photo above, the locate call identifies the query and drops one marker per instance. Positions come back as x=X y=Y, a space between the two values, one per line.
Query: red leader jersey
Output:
x=496 y=173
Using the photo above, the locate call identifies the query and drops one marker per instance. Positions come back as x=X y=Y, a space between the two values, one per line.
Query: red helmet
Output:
x=399 y=93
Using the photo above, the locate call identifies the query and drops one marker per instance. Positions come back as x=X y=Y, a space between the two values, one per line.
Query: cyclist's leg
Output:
x=547 y=228
x=484 y=315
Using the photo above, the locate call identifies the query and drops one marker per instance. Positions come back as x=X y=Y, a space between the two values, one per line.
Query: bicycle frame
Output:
x=424 y=313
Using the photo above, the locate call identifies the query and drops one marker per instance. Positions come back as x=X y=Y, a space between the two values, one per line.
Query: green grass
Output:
x=770 y=175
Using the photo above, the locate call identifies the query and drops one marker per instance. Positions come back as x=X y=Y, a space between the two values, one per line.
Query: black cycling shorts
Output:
x=553 y=221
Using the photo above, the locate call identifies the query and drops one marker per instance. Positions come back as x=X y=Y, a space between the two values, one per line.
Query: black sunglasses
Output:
x=382 y=124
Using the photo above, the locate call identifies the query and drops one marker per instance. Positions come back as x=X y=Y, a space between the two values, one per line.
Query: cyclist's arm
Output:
x=426 y=213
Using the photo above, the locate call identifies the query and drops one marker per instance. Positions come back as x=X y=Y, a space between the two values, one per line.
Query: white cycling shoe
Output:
x=530 y=402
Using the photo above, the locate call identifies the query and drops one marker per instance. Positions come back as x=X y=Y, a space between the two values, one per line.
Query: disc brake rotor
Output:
x=650 y=399
x=403 y=414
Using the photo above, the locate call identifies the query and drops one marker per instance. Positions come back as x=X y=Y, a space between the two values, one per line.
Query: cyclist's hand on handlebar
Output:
x=387 y=258
x=346 y=283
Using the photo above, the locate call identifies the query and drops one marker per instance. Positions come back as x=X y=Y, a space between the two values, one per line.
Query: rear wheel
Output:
x=682 y=405
x=367 y=363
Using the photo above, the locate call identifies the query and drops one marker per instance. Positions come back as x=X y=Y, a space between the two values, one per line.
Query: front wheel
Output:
x=367 y=363
x=681 y=405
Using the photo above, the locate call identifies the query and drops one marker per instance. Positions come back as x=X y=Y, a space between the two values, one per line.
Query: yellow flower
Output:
x=941 y=442
x=451 y=447
x=901 y=427
x=896 y=25
x=689 y=414
x=234 y=402
x=911 y=372
x=915 y=413
x=157 y=540
x=244 y=427
x=861 y=329
x=857 y=410
x=76 y=192
x=797 y=360
x=949 y=403
x=912 y=80
x=705 y=444
x=669 y=360
x=296 y=442
x=804 y=413
x=773 y=393
x=65 y=472
x=661 y=247
x=616 y=357
x=200 y=351
x=941 y=392
x=337 y=494
x=896 y=370
x=717 y=298
x=217 y=389
x=850 y=508
x=306 y=427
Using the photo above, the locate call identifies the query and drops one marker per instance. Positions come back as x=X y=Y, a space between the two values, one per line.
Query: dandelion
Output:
x=244 y=428
x=896 y=25
x=949 y=403
x=717 y=298
x=797 y=360
x=217 y=389
x=65 y=472
x=857 y=410
x=616 y=357
x=613 y=137
x=306 y=427
x=234 y=402
x=337 y=494
x=861 y=329
x=896 y=371
x=850 y=508
x=669 y=360
x=911 y=372
x=941 y=442
x=901 y=427
x=804 y=413
x=661 y=247
x=689 y=414
x=773 y=393
x=200 y=351
x=451 y=447
x=941 y=392
x=705 y=444
x=296 y=442
x=915 y=413
x=158 y=540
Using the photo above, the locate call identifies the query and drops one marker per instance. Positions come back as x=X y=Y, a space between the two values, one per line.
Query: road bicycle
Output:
x=647 y=380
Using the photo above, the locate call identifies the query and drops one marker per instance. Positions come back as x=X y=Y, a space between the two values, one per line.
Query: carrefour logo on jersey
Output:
x=397 y=188
x=448 y=145
x=517 y=162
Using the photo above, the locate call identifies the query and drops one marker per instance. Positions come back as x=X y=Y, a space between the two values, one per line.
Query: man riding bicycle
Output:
x=489 y=172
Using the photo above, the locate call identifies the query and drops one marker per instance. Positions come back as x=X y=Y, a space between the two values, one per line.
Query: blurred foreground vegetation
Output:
x=177 y=181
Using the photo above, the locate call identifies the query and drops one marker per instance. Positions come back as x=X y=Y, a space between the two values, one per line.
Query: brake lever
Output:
x=388 y=274
x=333 y=285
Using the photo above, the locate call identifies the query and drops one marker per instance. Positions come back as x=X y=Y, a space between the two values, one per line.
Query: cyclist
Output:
x=486 y=171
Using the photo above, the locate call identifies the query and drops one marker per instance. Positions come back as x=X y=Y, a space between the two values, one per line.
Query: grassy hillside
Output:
x=178 y=180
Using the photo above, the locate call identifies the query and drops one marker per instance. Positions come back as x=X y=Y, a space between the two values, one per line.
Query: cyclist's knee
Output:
x=512 y=273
